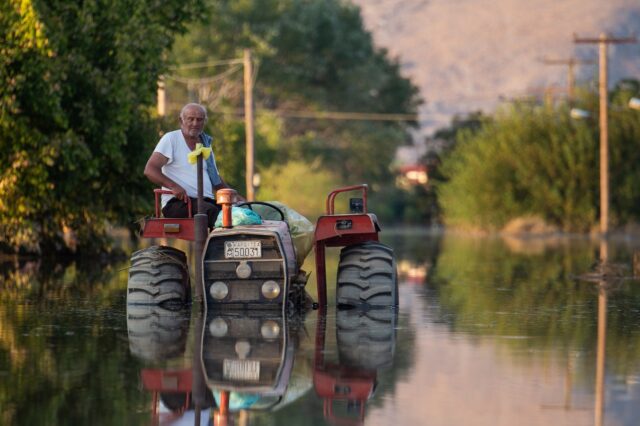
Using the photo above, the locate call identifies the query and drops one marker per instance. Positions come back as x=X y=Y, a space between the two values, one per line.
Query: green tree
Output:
x=532 y=160
x=624 y=134
x=313 y=55
x=77 y=80
x=526 y=161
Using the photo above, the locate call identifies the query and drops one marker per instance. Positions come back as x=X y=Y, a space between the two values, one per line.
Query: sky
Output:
x=467 y=55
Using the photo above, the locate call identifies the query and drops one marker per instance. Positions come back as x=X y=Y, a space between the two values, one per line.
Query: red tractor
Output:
x=258 y=266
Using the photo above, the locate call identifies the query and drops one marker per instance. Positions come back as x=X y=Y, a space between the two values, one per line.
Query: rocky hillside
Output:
x=469 y=54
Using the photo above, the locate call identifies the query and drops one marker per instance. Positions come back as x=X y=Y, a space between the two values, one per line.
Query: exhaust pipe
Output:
x=226 y=197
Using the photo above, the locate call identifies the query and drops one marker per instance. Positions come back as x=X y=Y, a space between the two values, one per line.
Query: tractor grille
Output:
x=244 y=289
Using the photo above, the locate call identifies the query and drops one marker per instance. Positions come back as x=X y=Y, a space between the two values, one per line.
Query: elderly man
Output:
x=169 y=167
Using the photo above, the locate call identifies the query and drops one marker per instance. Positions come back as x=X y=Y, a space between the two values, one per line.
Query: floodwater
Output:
x=488 y=332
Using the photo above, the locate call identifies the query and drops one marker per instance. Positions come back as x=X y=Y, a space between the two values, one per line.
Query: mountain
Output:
x=468 y=55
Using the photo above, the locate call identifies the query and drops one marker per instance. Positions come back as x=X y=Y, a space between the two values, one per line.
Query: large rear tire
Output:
x=159 y=275
x=367 y=276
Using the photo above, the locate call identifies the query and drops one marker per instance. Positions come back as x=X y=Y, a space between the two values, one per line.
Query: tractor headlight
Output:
x=218 y=327
x=270 y=289
x=270 y=329
x=218 y=290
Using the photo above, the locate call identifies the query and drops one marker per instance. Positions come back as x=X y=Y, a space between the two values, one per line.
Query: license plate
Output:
x=242 y=249
x=241 y=369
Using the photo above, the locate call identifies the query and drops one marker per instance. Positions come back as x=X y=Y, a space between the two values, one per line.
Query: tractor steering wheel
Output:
x=251 y=203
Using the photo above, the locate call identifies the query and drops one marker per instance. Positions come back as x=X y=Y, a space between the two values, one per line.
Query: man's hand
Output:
x=153 y=170
x=179 y=193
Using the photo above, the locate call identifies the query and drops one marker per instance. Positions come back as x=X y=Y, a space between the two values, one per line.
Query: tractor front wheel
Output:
x=159 y=276
x=367 y=276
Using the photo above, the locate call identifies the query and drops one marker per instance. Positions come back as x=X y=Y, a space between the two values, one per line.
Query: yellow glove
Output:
x=193 y=155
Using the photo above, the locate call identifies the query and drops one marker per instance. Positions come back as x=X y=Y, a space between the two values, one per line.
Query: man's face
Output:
x=192 y=122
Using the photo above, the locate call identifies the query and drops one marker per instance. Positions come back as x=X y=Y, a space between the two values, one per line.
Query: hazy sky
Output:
x=466 y=54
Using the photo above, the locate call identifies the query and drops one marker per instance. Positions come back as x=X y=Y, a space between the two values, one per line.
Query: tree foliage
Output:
x=313 y=55
x=532 y=160
x=76 y=81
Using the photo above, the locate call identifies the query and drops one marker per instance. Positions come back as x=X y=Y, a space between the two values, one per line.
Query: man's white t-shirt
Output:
x=173 y=146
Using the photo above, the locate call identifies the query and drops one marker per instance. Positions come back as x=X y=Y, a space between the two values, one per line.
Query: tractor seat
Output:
x=169 y=227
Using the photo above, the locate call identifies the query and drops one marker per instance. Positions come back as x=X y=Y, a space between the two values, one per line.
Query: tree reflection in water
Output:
x=484 y=327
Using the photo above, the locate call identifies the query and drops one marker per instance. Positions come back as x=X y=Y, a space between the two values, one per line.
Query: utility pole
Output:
x=603 y=41
x=571 y=78
x=248 y=124
x=162 y=97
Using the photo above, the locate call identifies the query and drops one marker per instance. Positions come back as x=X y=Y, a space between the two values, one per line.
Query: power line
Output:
x=203 y=80
x=331 y=115
x=570 y=63
x=207 y=64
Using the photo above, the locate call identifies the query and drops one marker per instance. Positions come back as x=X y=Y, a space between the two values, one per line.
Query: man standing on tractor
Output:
x=170 y=167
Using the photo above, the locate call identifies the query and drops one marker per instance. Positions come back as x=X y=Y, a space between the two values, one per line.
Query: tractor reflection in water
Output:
x=242 y=361
x=158 y=337
x=366 y=341
x=245 y=361
x=249 y=361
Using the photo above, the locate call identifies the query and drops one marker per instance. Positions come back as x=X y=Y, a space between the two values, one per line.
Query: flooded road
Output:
x=489 y=332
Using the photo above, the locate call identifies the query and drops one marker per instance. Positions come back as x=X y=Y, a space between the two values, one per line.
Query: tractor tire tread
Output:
x=367 y=276
x=159 y=275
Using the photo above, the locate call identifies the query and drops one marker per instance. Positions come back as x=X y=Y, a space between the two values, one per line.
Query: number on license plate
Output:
x=242 y=249
x=241 y=369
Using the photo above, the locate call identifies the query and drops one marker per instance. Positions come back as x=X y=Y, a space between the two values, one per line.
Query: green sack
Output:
x=301 y=228
x=240 y=216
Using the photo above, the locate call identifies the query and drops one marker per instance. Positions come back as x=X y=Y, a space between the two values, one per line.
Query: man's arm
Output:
x=153 y=171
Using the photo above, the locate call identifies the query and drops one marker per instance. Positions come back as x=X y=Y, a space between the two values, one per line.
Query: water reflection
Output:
x=157 y=333
x=530 y=308
x=158 y=337
x=251 y=362
x=491 y=333
x=366 y=343
x=248 y=360
x=601 y=348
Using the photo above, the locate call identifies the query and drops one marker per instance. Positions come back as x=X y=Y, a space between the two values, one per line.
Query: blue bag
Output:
x=240 y=216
